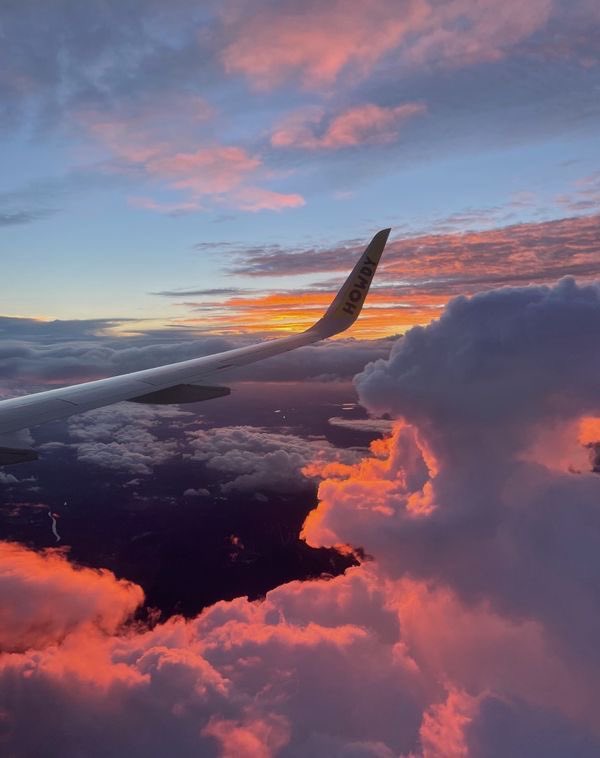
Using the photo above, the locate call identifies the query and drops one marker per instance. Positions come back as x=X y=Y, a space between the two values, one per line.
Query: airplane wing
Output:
x=184 y=381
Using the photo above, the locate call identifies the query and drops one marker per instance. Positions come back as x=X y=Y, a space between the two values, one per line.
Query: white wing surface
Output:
x=184 y=381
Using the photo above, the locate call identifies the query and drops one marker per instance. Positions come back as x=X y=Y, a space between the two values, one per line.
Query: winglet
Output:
x=348 y=302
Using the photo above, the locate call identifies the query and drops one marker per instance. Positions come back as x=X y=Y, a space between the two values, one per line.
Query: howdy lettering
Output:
x=359 y=287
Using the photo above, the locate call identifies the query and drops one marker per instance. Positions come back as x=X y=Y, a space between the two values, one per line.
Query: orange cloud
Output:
x=386 y=313
x=400 y=656
x=420 y=275
x=361 y=124
x=589 y=431
x=45 y=598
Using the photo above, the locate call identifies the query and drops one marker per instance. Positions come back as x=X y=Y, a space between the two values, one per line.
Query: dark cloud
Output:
x=19 y=217
x=66 y=53
x=34 y=353
x=200 y=293
x=523 y=252
x=16 y=328
x=514 y=728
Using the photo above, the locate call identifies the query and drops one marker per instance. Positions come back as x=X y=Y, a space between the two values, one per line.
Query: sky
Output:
x=156 y=150
x=382 y=546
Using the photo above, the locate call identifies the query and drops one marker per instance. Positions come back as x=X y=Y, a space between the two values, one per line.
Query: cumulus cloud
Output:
x=124 y=438
x=254 y=459
x=346 y=667
x=241 y=677
x=45 y=598
x=494 y=359
x=470 y=492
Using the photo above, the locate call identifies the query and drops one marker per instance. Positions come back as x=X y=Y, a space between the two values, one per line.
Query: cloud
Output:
x=242 y=675
x=515 y=728
x=377 y=425
x=124 y=438
x=112 y=54
x=462 y=33
x=440 y=262
x=257 y=459
x=45 y=599
x=201 y=492
x=139 y=139
x=297 y=311
x=212 y=292
x=259 y=199
x=140 y=143
x=319 y=46
x=358 y=125
x=476 y=490
x=281 y=676
x=208 y=170
x=13 y=328
x=276 y=41
x=532 y=325
x=37 y=354
x=585 y=196
x=22 y=216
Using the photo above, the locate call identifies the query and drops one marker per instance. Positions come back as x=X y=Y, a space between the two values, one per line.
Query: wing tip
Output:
x=347 y=304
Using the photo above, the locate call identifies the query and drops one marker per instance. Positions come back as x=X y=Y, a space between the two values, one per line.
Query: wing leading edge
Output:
x=164 y=382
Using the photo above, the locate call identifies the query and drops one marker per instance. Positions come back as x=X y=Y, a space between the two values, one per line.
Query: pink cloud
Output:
x=316 y=43
x=361 y=124
x=149 y=204
x=257 y=738
x=443 y=728
x=214 y=169
x=223 y=174
x=260 y=199
x=462 y=32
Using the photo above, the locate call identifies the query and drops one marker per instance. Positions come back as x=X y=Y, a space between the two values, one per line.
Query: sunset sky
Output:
x=384 y=546
x=150 y=148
